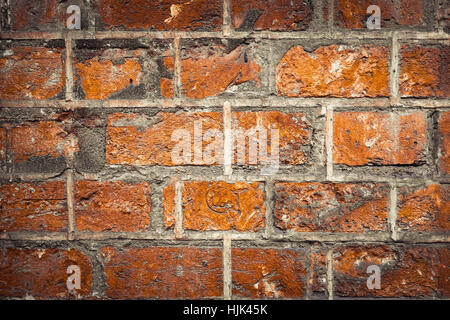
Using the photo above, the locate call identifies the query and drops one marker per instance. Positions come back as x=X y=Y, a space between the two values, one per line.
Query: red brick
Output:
x=223 y=206
x=295 y=135
x=44 y=15
x=163 y=273
x=2 y=145
x=444 y=143
x=210 y=70
x=112 y=206
x=268 y=273
x=31 y=73
x=183 y=15
x=351 y=14
x=335 y=71
x=276 y=15
x=331 y=207
x=362 y=138
x=42 y=273
x=39 y=139
x=33 y=207
x=424 y=209
x=138 y=140
x=405 y=272
x=424 y=71
x=169 y=205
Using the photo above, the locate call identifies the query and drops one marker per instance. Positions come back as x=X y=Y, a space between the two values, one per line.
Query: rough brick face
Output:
x=183 y=15
x=169 y=205
x=268 y=273
x=425 y=71
x=405 y=272
x=112 y=206
x=294 y=130
x=223 y=206
x=44 y=15
x=42 y=273
x=424 y=209
x=2 y=145
x=212 y=69
x=136 y=139
x=33 y=207
x=444 y=143
x=31 y=73
x=278 y=15
x=362 y=138
x=327 y=207
x=163 y=273
x=335 y=71
x=351 y=14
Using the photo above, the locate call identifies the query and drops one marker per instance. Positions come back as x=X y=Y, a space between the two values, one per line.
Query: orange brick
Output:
x=424 y=71
x=444 y=143
x=295 y=135
x=169 y=205
x=405 y=272
x=223 y=206
x=42 y=273
x=33 y=207
x=277 y=15
x=2 y=144
x=163 y=273
x=138 y=140
x=424 y=209
x=268 y=273
x=362 y=138
x=112 y=206
x=44 y=15
x=331 y=207
x=209 y=71
x=183 y=15
x=334 y=71
x=31 y=73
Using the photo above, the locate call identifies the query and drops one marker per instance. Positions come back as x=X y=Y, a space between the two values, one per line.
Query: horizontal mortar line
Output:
x=421 y=237
x=24 y=235
x=271 y=35
x=235 y=102
x=122 y=235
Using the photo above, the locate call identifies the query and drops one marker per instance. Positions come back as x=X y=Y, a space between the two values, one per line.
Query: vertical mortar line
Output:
x=178 y=209
x=329 y=141
x=227 y=277
x=268 y=230
x=272 y=73
x=177 y=67
x=331 y=18
x=228 y=140
x=392 y=215
x=394 y=70
x=226 y=18
x=330 y=277
x=69 y=67
x=70 y=205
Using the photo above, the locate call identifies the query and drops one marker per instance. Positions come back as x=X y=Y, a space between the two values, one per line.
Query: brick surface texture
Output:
x=224 y=150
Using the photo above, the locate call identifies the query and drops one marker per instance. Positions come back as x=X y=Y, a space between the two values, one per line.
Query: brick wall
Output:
x=88 y=177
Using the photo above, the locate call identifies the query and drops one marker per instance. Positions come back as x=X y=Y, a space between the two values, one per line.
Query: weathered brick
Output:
x=405 y=272
x=335 y=71
x=139 y=140
x=295 y=136
x=277 y=15
x=31 y=73
x=44 y=15
x=183 y=15
x=268 y=273
x=351 y=14
x=163 y=273
x=318 y=273
x=214 y=68
x=444 y=143
x=361 y=138
x=102 y=73
x=33 y=207
x=2 y=145
x=42 y=273
x=424 y=208
x=425 y=71
x=444 y=15
x=223 y=206
x=331 y=207
x=169 y=205
x=112 y=206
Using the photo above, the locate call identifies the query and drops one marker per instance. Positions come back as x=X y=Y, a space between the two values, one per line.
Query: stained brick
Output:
x=331 y=207
x=335 y=71
x=444 y=143
x=2 y=145
x=163 y=273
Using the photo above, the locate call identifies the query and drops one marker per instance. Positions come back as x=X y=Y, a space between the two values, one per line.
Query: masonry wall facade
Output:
x=87 y=176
